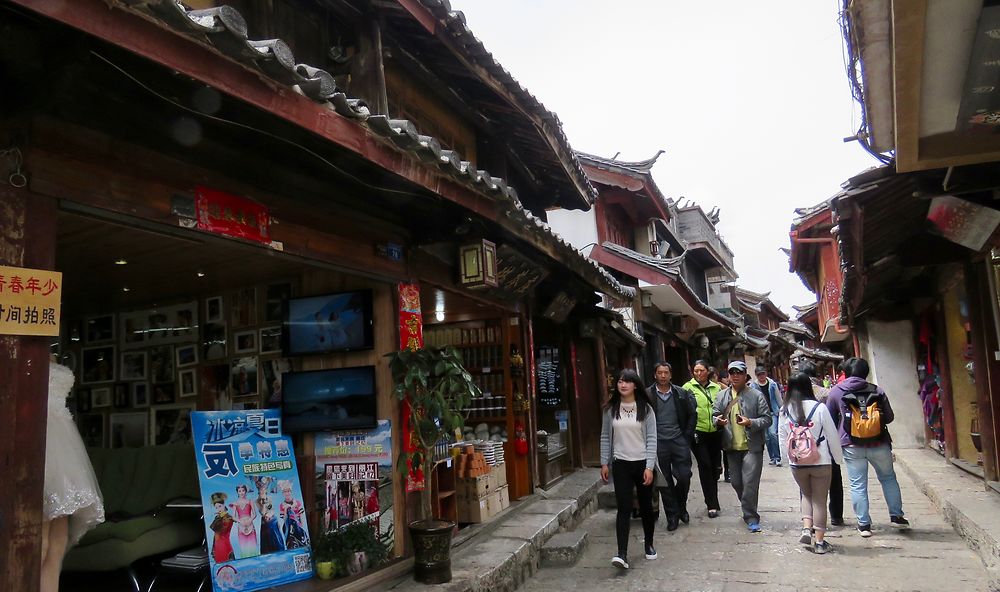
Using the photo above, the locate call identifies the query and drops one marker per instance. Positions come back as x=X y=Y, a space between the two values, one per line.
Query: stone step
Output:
x=563 y=549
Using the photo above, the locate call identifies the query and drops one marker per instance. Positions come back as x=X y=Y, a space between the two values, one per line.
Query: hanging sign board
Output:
x=255 y=523
x=231 y=215
x=29 y=301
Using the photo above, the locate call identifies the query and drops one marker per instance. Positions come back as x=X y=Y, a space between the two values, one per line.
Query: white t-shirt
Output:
x=823 y=427
x=629 y=437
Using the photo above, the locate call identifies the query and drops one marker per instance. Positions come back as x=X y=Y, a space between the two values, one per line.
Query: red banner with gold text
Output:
x=411 y=336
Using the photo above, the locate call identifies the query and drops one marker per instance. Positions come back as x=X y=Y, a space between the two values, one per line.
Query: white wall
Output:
x=889 y=349
x=577 y=227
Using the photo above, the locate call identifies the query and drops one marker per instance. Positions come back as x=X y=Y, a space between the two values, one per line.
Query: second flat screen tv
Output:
x=330 y=323
x=322 y=400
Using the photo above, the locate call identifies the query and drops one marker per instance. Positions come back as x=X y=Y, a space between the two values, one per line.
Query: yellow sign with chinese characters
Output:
x=30 y=301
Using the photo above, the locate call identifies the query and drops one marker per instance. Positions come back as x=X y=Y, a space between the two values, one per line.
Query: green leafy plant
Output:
x=339 y=545
x=439 y=389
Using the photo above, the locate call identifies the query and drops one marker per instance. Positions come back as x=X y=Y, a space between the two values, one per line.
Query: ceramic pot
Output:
x=431 y=551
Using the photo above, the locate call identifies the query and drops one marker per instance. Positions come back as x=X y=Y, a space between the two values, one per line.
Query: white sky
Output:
x=750 y=100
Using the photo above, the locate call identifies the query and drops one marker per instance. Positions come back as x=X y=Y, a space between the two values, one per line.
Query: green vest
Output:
x=704 y=398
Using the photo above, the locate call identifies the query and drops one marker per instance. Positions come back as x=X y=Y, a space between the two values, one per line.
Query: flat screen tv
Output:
x=330 y=323
x=326 y=400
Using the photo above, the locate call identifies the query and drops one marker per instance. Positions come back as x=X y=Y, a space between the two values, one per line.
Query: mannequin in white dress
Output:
x=72 y=502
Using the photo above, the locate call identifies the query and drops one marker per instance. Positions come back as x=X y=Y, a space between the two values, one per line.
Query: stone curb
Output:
x=504 y=553
x=969 y=515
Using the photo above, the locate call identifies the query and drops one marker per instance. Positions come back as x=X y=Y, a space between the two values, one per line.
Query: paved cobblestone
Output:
x=721 y=555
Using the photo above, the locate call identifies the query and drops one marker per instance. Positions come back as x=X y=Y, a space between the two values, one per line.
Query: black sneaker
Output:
x=836 y=522
x=865 y=530
x=620 y=561
x=899 y=522
x=651 y=552
x=685 y=517
x=822 y=548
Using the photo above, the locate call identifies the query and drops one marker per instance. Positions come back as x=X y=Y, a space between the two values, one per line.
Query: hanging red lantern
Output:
x=520 y=439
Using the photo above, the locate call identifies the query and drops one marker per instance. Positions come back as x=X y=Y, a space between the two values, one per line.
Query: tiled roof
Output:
x=224 y=29
x=641 y=166
x=456 y=26
x=670 y=266
x=797 y=327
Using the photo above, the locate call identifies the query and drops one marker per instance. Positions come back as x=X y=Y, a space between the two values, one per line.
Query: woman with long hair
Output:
x=812 y=472
x=707 y=446
x=628 y=453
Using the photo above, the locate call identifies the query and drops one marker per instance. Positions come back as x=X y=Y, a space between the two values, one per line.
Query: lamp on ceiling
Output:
x=478 y=264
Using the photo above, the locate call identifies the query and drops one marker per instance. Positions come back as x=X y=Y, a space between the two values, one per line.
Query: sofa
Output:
x=137 y=484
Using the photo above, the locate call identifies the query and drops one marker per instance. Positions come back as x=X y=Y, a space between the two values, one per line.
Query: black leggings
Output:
x=708 y=454
x=627 y=474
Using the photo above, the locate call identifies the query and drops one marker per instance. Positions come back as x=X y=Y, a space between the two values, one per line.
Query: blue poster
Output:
x=255 y=523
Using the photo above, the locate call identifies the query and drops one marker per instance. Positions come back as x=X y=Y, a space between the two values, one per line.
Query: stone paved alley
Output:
x=720 y=555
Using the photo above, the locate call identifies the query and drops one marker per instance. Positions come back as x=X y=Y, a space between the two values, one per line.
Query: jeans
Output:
x=836 y=494
x=857 y=459
x=627 y=474
x=773 y=448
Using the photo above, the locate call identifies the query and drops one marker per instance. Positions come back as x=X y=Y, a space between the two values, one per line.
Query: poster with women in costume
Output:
x=255 y=522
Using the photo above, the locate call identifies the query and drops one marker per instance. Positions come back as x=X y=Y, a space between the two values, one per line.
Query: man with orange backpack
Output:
x=862 y=413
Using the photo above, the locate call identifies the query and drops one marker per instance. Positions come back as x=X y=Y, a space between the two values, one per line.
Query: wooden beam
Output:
x=27 y=239
x=908 y=24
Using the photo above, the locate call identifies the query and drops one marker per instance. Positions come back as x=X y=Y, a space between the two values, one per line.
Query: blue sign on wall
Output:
x=255 y=522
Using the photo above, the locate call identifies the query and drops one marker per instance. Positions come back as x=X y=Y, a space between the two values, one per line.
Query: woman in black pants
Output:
x=707 y=439
x=628 y=454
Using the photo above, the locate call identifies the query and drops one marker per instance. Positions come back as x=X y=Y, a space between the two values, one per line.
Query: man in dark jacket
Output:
x=852 y=396
x=675 y=423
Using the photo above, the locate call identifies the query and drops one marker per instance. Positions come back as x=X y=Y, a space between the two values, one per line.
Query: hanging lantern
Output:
x=478 y=263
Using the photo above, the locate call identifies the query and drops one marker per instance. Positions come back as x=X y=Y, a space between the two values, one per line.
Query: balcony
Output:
x=703 y=240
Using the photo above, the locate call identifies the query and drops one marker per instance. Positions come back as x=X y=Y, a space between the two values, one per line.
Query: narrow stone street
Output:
x=721 y=555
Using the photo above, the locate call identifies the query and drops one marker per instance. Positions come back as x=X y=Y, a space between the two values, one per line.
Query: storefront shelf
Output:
x=472 y=419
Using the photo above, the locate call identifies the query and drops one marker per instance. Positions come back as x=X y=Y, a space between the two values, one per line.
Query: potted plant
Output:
x=438 y=389
x=328 y=549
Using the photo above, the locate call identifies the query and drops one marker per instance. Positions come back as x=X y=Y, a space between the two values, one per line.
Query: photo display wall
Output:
x=141 y=373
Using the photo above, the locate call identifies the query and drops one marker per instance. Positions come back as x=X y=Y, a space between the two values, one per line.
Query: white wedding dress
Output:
x=71 y=487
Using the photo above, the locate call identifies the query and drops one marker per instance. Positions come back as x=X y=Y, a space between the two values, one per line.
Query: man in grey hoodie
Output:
x=744 y=416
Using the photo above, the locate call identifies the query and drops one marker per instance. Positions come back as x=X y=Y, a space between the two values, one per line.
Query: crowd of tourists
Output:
x=723 y=422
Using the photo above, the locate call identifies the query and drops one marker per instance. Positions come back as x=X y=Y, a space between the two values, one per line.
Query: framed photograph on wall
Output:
x=98 y=364
x=245 y=341
x=99 y=329
x=91 y=426
x=187 y=381
x=187 y=355
x=140 y=394
x=270 y=380
x=243 y=377
x=170 y=424
x=270 y=340
x=100 y=397
x=133 y=365
x=275 y=297
x=128 y=430
x=243 y=310
x=161 y=364
x=214 y=341
x=121 y=395
x=163 y=393
x=214 y=310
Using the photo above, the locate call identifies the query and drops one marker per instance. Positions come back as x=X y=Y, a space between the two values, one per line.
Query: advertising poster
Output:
x=255 y=522
x=356 y=472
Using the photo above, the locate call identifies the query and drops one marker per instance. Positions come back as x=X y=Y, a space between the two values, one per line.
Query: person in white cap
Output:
x=744 y=415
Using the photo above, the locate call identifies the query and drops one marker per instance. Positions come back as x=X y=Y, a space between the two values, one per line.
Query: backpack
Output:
x=866 y=418
x=803 y=448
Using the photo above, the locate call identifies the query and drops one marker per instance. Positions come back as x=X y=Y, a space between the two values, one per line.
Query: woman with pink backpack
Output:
x=807 y=431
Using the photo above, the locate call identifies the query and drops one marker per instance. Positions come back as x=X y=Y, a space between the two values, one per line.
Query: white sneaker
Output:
x=806 y=538
x=619 y=561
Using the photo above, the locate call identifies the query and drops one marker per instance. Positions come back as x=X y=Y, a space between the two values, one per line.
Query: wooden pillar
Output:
x=987 y=372
x=368 y=70
x=27 y=239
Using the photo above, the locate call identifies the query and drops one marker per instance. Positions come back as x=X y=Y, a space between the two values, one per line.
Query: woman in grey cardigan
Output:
x=628 y=453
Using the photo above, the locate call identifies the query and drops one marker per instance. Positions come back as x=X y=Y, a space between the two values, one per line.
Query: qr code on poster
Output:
x=302 y=564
